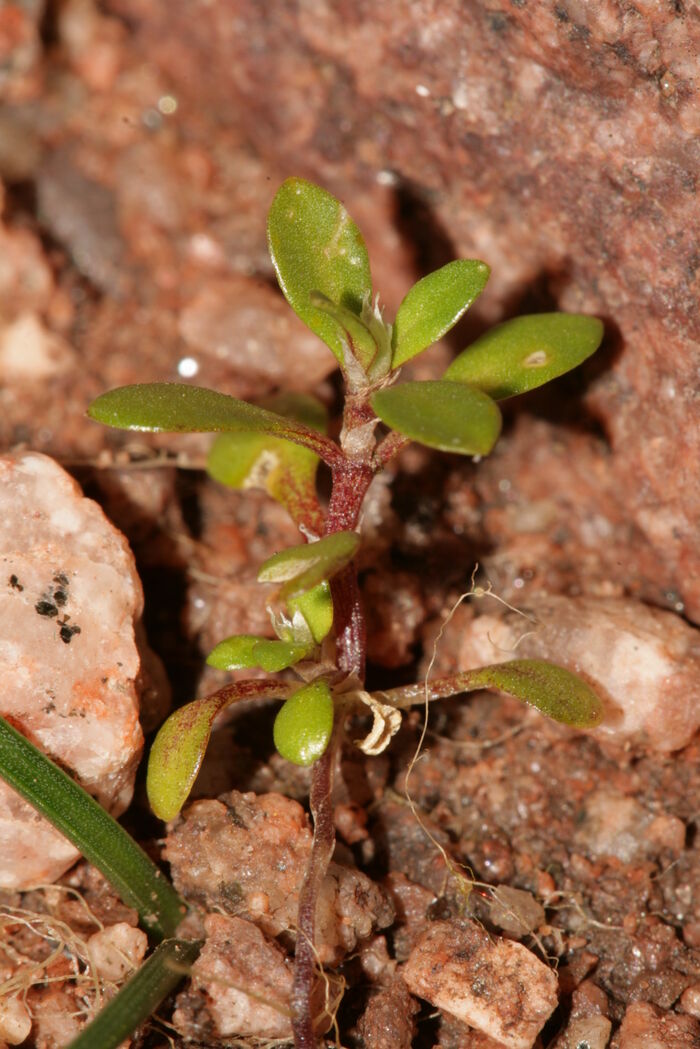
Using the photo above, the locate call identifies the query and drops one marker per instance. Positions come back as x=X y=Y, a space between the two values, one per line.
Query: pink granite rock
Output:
x=69 y=599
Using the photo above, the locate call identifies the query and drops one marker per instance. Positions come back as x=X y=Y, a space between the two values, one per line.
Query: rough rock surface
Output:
x=494 y=985
x=243 y=980
x=69 y=597
x=644 y=662
x=387 y=1022
x=557 y=141
x=247 y=855
x=643 y=1027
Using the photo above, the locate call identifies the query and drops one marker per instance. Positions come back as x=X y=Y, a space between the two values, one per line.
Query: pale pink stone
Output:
x=29 y=351
x=117 y=949
x=496 y=986
x=69 y=599
x=246 y=980
x=644 y=1027
x=644 y=662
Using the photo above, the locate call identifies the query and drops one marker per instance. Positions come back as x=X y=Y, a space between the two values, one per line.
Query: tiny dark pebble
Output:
x=60 y=597
x=15 y=583
x=46 y=608
x=61 y=578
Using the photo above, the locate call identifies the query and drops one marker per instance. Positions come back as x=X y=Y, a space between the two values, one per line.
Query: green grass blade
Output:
x=140 y=997
x=102 y=841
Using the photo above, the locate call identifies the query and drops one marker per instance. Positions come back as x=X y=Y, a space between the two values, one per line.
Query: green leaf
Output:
x=285 y=470
x=304 y=725
x=358 y=335
x=316 y=609
x=93 y=831
x=315 y=246
x=139 y=998
x=526 y=352
x=178 y=749
x=303 y=567
x=434 y=305
x=178 y=408
x=555 y=691
x=444 y=415
x=234 y=653
x=243 y=651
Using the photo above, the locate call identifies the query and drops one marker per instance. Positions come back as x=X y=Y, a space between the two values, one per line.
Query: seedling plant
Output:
x=312 y=589
x=323 y=269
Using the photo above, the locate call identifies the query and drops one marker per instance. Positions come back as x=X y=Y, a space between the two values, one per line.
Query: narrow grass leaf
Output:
x=92 y=830
x=434 y=305
x=139 y=998
x=315 y=246
x=526 y=352
x=304 y=724
x=439 y=414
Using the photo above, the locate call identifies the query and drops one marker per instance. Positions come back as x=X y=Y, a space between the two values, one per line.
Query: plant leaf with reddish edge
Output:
x=526 y=352
x=434 y=305
x=303 y=567
x=178 y=408
x=304 y=724
x=315 y=246
x=286 y=471
x=179 y=747
x=553 y=690
x=439 y=414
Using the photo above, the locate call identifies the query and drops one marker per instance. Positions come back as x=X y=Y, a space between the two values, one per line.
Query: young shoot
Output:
x=322 y=266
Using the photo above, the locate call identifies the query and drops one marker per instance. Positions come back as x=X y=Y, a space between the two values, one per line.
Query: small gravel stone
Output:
x=690 y=1000
x=29 y=351
x=515 y=911
x=15 y=1021
x=588 y=1032
x=245 y=981
x=644 y=1027
x=496 y=986
x=246 y=854
x=387 y=1022
x=117 y=950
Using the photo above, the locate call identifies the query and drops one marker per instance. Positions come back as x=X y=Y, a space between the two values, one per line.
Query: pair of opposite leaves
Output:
x=323 y=269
